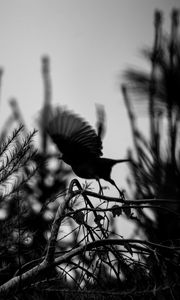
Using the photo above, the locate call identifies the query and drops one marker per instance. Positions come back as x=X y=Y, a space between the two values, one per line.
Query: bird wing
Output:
x=74 y=137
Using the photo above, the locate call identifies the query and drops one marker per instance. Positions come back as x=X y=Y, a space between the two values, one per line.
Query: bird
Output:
x=80 y=146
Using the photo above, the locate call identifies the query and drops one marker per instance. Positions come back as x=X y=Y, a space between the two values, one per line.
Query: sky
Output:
x=90 y=43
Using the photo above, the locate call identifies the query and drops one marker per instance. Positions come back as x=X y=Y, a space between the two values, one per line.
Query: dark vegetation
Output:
x=61 y=240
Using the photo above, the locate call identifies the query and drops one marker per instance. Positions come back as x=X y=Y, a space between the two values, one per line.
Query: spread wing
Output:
x=74 y=137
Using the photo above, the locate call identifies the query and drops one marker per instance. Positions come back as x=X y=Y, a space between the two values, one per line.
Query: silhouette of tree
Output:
x=39 y=259
x=34 y=184
x=156 y=164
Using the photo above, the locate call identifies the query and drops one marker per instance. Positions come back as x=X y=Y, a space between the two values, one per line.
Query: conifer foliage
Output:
x=61 y=240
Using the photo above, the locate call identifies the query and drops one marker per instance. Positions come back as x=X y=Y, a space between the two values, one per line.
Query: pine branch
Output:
x=7 y=143
x=16 y=159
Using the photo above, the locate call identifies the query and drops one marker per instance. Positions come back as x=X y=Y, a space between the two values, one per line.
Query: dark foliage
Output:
x=30 y=186
x=91 y=259
x=156 y=165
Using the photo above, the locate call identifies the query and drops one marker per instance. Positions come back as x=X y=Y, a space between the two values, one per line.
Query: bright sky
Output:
x=89 y=42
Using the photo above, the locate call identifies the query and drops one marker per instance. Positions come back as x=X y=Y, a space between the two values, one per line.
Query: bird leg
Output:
x=100 y=187
x=121 y=194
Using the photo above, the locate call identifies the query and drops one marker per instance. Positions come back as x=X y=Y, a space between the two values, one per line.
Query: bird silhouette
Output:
x=80 y=146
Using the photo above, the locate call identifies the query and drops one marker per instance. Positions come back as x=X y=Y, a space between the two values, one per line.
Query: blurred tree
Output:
x=27 y=211
x=27 y=225
x=156 y=164
x=92 y=257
